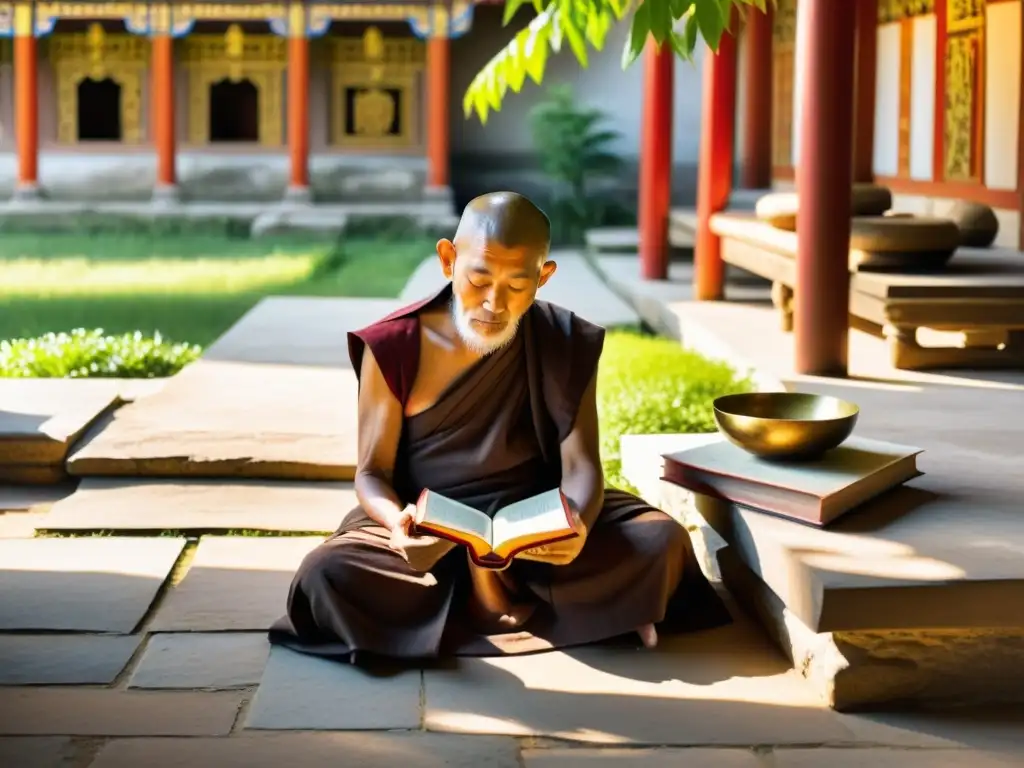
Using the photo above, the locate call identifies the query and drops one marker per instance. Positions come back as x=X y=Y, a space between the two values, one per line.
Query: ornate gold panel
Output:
x=784 y=23
x=964 y=15
x=96 y=55
x=960 y=124
x=897 y=10
x=260 y=59
x=396 y=56
x=783 y=76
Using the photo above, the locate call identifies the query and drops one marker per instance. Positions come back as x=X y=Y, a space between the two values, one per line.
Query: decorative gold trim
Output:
x=269 y=92
x=964 y=15
x=408 y=116
x=897 y=10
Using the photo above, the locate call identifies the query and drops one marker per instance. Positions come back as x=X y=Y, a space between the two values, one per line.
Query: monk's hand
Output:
x=401 y=531
x=560 y=552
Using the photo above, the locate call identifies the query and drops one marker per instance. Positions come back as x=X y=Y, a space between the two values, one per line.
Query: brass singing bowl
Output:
x=785 y=425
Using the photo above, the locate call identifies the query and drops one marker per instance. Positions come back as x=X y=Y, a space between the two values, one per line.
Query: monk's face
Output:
x=493 y=287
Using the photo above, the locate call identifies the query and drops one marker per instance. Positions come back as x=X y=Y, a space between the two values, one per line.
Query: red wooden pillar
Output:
x=864 y=94
x=438 y=74
x=298 y=115
x=825 y=56
x=655 y=193
x=756 y=162
x=26 y=101
x=714 y=165
x=163 y=118
x=1020 y=148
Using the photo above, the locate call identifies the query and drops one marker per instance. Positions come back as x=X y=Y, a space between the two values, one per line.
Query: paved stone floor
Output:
x=148 y=647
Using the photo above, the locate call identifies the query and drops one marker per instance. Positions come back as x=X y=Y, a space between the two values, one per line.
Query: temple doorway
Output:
x=99 y=110
x=234 y=112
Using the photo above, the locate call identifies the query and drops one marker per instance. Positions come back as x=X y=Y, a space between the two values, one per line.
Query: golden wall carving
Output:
x=783 y=81
x=97 y=55
x=964 y=89
x=784 y=23
x=376 y=80
x=897 y=10
x=260 y=59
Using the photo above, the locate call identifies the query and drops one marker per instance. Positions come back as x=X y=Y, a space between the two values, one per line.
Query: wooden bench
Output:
x=979 y=294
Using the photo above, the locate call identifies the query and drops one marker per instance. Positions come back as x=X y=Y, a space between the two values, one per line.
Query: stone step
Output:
x=273 y=398
x=40 y=420
x=199 y=506
x=575 y=286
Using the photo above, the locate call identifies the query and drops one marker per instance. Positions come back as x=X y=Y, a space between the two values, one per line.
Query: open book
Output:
x=493 y=542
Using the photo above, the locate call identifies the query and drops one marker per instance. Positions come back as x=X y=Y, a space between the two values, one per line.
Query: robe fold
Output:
x=492 y=438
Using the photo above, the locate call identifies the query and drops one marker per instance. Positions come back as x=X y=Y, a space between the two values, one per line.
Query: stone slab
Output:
x=18 y=498
x=234 y=583
x=642 y=758
x=290 y=330
x=64 y=659
x=108 y=712
x=202 y=505
x=93 y=584
x=38 y=752
x=921 y=556
x=312 y=750
x=720 y=688
x=225 y=419
x=211 y=661
x=575 y=286
x=19 y=525
x=41 y=418
x=307 y=693
x=891 y=758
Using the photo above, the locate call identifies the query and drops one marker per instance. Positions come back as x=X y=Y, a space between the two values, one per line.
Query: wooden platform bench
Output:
x=979 y=294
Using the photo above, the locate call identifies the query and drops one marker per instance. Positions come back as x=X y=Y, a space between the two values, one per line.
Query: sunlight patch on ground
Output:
x=83 y=277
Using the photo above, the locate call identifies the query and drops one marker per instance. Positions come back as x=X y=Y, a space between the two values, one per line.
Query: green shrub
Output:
x=651 y=385
x=92 y=354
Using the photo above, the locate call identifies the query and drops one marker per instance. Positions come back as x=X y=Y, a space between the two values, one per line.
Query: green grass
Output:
x=188 y=289
x=651 y=385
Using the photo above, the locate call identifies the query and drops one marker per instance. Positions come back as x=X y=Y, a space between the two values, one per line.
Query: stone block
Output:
x=201 y=505
x=86 y=585
x=234 y=584
x=194 y=661
x=64 y=659
x=642 y=758
x=38 y=752
x=41 y=418
x=224 y=419
x=309 y=693
x=880 y=607
x=289 y=330
x=108 y=712
x=312 y=750
x=20 y=498
x=890 y=758
x=726 y=687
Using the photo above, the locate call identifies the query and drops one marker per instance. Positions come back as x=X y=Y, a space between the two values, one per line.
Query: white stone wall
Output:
x=1002 y=93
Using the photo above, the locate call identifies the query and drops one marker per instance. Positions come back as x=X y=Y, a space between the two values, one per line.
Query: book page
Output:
x=539 y=514
x=456 y=516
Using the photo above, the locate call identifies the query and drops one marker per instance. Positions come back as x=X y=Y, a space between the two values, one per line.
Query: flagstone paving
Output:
x=212 y=661
x=234 y=583
x=83 y=585
x=201 y=505
x=65 y=659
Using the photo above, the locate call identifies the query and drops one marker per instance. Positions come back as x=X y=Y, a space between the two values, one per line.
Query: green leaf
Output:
x=709 y=17
x=661 y=19
x=689 y=38
x=536 y=52
x=511 y=7
x=567 y=23
x=638 y=33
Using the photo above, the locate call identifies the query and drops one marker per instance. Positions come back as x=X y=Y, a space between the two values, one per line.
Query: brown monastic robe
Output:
x=492 y=438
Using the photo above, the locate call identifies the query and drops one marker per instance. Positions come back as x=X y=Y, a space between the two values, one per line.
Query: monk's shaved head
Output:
x=507 y=219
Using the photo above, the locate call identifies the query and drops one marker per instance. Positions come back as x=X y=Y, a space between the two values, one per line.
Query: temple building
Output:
x=216 y=91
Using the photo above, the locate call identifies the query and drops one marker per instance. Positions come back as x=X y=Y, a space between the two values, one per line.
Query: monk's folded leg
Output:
x=636 y=568
x=353 y=593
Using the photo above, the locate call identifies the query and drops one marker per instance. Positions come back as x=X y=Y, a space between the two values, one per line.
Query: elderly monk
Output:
x=487 y=395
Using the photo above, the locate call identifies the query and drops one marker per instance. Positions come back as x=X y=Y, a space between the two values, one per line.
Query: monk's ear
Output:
x=446 y=252
x=546 y=271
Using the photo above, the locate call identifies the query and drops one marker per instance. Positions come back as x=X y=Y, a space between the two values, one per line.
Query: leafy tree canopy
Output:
x=583 y=23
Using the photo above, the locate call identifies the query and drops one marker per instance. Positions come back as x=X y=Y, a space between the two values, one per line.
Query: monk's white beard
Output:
x=476 y=342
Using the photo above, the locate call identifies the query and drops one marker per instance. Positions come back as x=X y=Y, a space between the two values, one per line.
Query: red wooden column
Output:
x=162 y=69
x=298 y=106
x=756 y=156
x=714 y=165
x=1020 y=148
x=864 y=94
x=438 y=74
x=26 y=102
x=825 y=56
x=655 y=193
